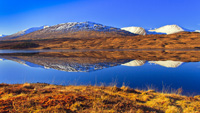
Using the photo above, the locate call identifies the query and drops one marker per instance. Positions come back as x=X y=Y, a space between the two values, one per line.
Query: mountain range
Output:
x=90 y=35
x=88 y=29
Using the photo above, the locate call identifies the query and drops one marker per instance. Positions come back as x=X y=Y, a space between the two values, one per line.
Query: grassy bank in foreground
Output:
x=53 y=98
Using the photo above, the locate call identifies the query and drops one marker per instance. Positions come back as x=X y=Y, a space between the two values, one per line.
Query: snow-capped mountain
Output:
x=168 y=29
x=24 y=32
x=88 y=29
x=1 y=35
x=81 y=26
x=168 y=63
x=135 y=30
x=75 y=30
x=197 y=31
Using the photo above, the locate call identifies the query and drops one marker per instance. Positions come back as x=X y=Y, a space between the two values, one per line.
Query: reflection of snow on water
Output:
x=168 y=63
x=135 y=63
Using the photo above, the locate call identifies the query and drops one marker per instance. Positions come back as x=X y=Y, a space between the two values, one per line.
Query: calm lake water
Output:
x=136 y=69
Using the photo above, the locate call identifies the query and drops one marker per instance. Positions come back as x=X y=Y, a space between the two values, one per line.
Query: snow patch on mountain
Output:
x=135 y=30
x=168 y=29
x=82 y=26
x=26 y=31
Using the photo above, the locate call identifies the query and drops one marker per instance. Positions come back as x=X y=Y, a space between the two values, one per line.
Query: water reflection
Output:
x=82 y=64
x=135 y=68
x=168 y=63
x=87 y=61
x=135 y=63
x=63 y=63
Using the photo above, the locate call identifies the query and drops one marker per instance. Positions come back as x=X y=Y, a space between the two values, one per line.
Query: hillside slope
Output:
x=183 y=40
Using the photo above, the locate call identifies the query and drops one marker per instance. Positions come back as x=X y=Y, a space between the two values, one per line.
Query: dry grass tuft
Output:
x=91 y=99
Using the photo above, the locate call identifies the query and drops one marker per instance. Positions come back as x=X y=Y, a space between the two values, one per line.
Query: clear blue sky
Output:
x=16 y=15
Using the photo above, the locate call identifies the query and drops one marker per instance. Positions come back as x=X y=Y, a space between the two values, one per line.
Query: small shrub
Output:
x=46 y=48
x=25 y=45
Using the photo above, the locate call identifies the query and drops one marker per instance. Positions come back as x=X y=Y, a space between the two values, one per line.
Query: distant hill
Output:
x=167 y=29
x=136 y=30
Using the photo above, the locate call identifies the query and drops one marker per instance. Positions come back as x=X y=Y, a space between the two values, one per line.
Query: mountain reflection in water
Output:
x=88 y=61
x=68 y=64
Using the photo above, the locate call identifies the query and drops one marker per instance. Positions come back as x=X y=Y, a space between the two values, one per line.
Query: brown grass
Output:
x=91 y=99
x=183 y=40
